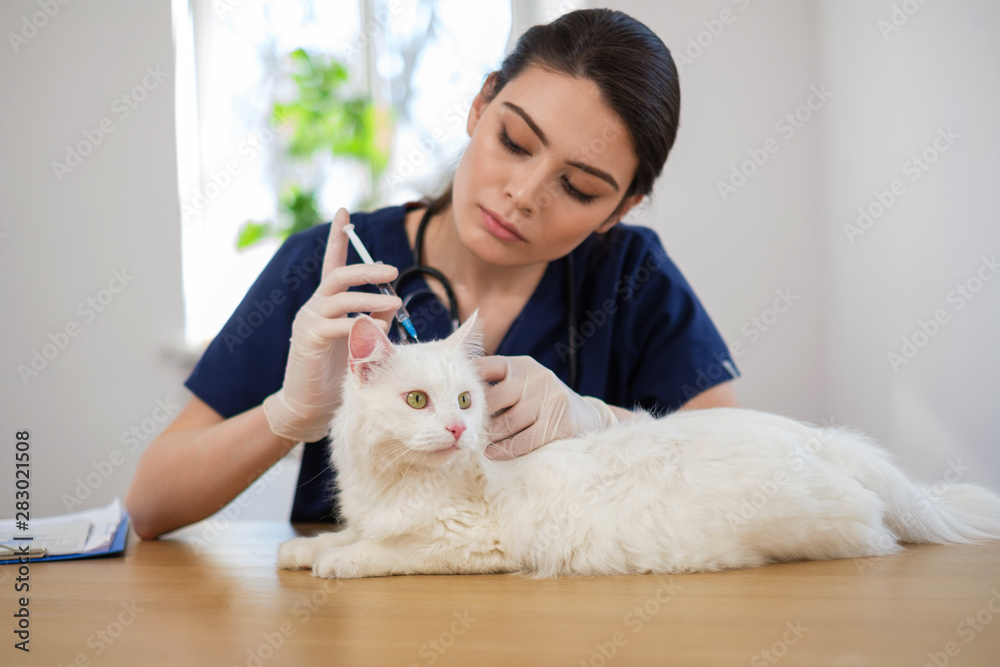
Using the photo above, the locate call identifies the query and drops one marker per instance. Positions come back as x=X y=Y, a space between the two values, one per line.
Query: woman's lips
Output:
x=495 y=226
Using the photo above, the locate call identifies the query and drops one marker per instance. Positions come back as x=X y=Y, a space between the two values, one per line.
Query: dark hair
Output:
x=630 y=65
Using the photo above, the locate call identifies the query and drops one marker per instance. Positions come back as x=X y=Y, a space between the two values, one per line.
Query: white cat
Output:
x=694 y=490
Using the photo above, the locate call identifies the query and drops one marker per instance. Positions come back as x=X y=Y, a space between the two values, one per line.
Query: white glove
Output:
x=536 y=406
x=302 y=409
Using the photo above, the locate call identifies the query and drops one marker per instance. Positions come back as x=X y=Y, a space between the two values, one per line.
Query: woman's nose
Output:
x=523 y=188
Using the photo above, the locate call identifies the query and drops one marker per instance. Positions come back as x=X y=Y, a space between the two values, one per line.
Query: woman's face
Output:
x=548 y=164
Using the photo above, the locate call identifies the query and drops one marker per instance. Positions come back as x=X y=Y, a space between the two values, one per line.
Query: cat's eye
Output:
x=464 y=400
x=416 y=399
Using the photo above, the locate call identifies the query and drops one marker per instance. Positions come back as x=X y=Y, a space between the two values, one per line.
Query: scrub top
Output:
x=642 y=337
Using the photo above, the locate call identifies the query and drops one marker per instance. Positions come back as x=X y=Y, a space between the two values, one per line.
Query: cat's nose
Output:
x=457 y=429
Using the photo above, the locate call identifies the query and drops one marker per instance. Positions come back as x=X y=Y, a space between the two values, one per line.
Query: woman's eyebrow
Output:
x=594 y=171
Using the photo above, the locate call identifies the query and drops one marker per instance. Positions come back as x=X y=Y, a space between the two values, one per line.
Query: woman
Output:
x=565 y=139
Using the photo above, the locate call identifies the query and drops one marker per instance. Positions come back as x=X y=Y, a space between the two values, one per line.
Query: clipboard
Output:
x=116 y=546
x=12 y=553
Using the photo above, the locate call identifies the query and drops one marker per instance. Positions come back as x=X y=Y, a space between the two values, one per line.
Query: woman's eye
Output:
x=506 y=142
x=576 y=194
x=416 y=399
x=464 y=400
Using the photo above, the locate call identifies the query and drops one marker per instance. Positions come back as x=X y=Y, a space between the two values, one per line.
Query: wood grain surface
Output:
x=211 y=595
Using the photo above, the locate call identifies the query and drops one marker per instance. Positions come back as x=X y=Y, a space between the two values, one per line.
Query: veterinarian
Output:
x=585 y=317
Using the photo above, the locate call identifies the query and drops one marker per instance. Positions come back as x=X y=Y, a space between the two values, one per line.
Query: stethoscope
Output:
x=419 y=269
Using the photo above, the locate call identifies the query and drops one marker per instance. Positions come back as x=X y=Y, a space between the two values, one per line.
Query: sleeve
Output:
x=676 y=349
x=246 y=361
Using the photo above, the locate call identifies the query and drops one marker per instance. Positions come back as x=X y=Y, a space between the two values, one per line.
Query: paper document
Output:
x=76 y=533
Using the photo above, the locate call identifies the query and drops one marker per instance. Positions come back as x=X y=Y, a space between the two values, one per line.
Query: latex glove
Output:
x=302 y=409
x=531 y=407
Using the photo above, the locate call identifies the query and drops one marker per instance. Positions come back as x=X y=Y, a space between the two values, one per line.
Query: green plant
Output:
x=321 y=119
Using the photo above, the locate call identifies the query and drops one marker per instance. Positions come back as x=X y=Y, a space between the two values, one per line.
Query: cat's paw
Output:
x=346 y=563
x=300 y=553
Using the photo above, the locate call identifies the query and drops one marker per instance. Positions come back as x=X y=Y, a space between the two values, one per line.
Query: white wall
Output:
x=824 y=358
x=941 y=69
x=116 y=210
x=108 y=389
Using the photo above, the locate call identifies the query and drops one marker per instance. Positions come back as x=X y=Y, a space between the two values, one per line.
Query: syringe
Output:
x=385 y=288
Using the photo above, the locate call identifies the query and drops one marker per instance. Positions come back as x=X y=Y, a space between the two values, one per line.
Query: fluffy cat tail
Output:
x=939 y=514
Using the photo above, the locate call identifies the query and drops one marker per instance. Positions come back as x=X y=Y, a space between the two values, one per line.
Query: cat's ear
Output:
x=368 y=347
x=469 y=337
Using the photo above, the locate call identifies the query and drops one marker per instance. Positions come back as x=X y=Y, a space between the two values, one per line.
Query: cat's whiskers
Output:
x=480 y=452
x=404 y=450
x=384 y=466
x=328 y=467
x=376 y=453
x=382 y=457
x=502 y=437
x=408 y=466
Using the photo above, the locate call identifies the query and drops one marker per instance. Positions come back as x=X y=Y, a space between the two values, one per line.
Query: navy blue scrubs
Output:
x=642 y=336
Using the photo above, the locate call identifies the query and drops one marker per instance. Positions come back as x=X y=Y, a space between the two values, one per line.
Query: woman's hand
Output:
x=317 y=358
x=530 y=406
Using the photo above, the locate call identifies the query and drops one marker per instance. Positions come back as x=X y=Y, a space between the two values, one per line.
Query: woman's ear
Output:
x=479 y=103
x=617 y=216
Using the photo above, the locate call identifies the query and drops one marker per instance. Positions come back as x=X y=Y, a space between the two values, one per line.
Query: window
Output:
x=423 y=59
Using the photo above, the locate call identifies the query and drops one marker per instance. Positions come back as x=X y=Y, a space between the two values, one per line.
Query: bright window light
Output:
x=425 y=59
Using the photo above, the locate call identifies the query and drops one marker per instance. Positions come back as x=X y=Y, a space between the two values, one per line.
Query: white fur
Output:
x=695 y=490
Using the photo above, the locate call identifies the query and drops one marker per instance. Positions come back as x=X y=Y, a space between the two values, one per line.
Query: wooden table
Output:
x=208 y=597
